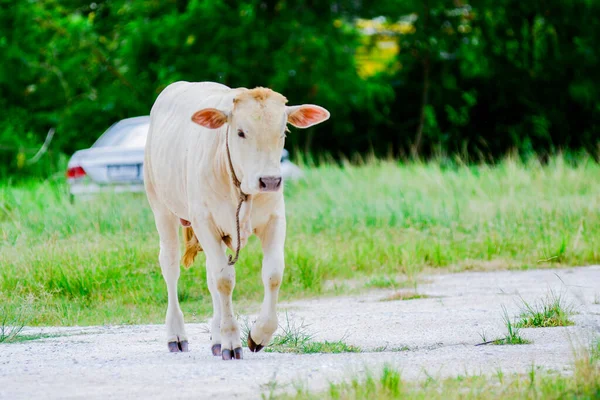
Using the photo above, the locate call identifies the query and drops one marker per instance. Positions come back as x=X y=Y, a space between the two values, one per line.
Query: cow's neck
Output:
x=225 y=183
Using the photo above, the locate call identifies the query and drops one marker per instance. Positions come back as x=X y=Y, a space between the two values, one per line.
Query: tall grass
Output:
x=96 y=261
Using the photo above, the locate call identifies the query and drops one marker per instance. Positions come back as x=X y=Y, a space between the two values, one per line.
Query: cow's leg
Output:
x=167 y=225
x=272 y=237
x=223 y=276
x=215 y=329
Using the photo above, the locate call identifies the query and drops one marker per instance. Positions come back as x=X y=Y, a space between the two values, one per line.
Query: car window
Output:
x=136 y=136
x=124 y=133
x=108 y=137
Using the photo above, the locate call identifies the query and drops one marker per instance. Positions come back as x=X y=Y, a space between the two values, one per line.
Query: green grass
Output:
x=595 y=352
x=12 y=323
x=10 y=329
x=95 y=262
x=583 y=383
x=549 y=312
x=382 y=282
x=335 y=347
x=294 y=337
x=513 y=333
x=390 y=282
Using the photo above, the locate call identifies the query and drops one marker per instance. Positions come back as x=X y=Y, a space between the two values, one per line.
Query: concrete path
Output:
x=435 y=336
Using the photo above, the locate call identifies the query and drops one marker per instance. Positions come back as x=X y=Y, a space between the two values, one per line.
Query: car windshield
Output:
x=125 y=134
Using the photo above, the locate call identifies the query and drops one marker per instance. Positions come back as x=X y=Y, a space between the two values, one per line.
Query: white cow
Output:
x=208 y=146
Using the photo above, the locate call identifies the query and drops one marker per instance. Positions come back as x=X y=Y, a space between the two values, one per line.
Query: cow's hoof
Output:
x=235 y=354
x=238 y=353
x=216 y=349
x=183 y=346
x=176 y=347
x=253 y=346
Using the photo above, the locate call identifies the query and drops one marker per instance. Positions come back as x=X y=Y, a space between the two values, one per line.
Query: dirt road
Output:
x=433 y=336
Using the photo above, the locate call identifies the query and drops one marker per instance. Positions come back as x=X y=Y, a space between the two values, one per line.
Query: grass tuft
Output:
x=295 y=338
x=549 y=312
x=12 y=322
x=513 y=333
x=325 y=347
x=245 y=328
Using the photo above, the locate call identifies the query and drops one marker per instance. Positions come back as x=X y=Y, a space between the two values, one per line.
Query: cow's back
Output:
x=175 y=142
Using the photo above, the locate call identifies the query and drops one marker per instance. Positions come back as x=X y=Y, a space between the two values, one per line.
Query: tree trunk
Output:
x=426 y=61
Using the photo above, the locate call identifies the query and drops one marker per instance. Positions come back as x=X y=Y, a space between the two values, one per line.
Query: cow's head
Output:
x=257 y=128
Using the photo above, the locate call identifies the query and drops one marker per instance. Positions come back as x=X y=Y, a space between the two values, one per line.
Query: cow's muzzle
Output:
x=269 y=183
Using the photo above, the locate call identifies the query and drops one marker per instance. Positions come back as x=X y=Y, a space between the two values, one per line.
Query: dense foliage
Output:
x=477 y=78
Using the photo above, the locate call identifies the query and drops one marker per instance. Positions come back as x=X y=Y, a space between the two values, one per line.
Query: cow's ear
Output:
x=210 y=118
x=306 y=115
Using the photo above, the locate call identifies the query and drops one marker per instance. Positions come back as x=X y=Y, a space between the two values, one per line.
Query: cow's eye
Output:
x=241 y=133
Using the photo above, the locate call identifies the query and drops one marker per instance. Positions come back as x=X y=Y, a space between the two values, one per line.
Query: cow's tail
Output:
x=192 y=246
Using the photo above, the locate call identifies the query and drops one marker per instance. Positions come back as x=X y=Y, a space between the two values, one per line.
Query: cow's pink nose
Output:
x=269 y=183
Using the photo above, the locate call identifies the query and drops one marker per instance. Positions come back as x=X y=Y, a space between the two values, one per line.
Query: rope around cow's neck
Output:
x=243 y=197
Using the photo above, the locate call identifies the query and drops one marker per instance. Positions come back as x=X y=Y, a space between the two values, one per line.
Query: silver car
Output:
x=116 y=161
